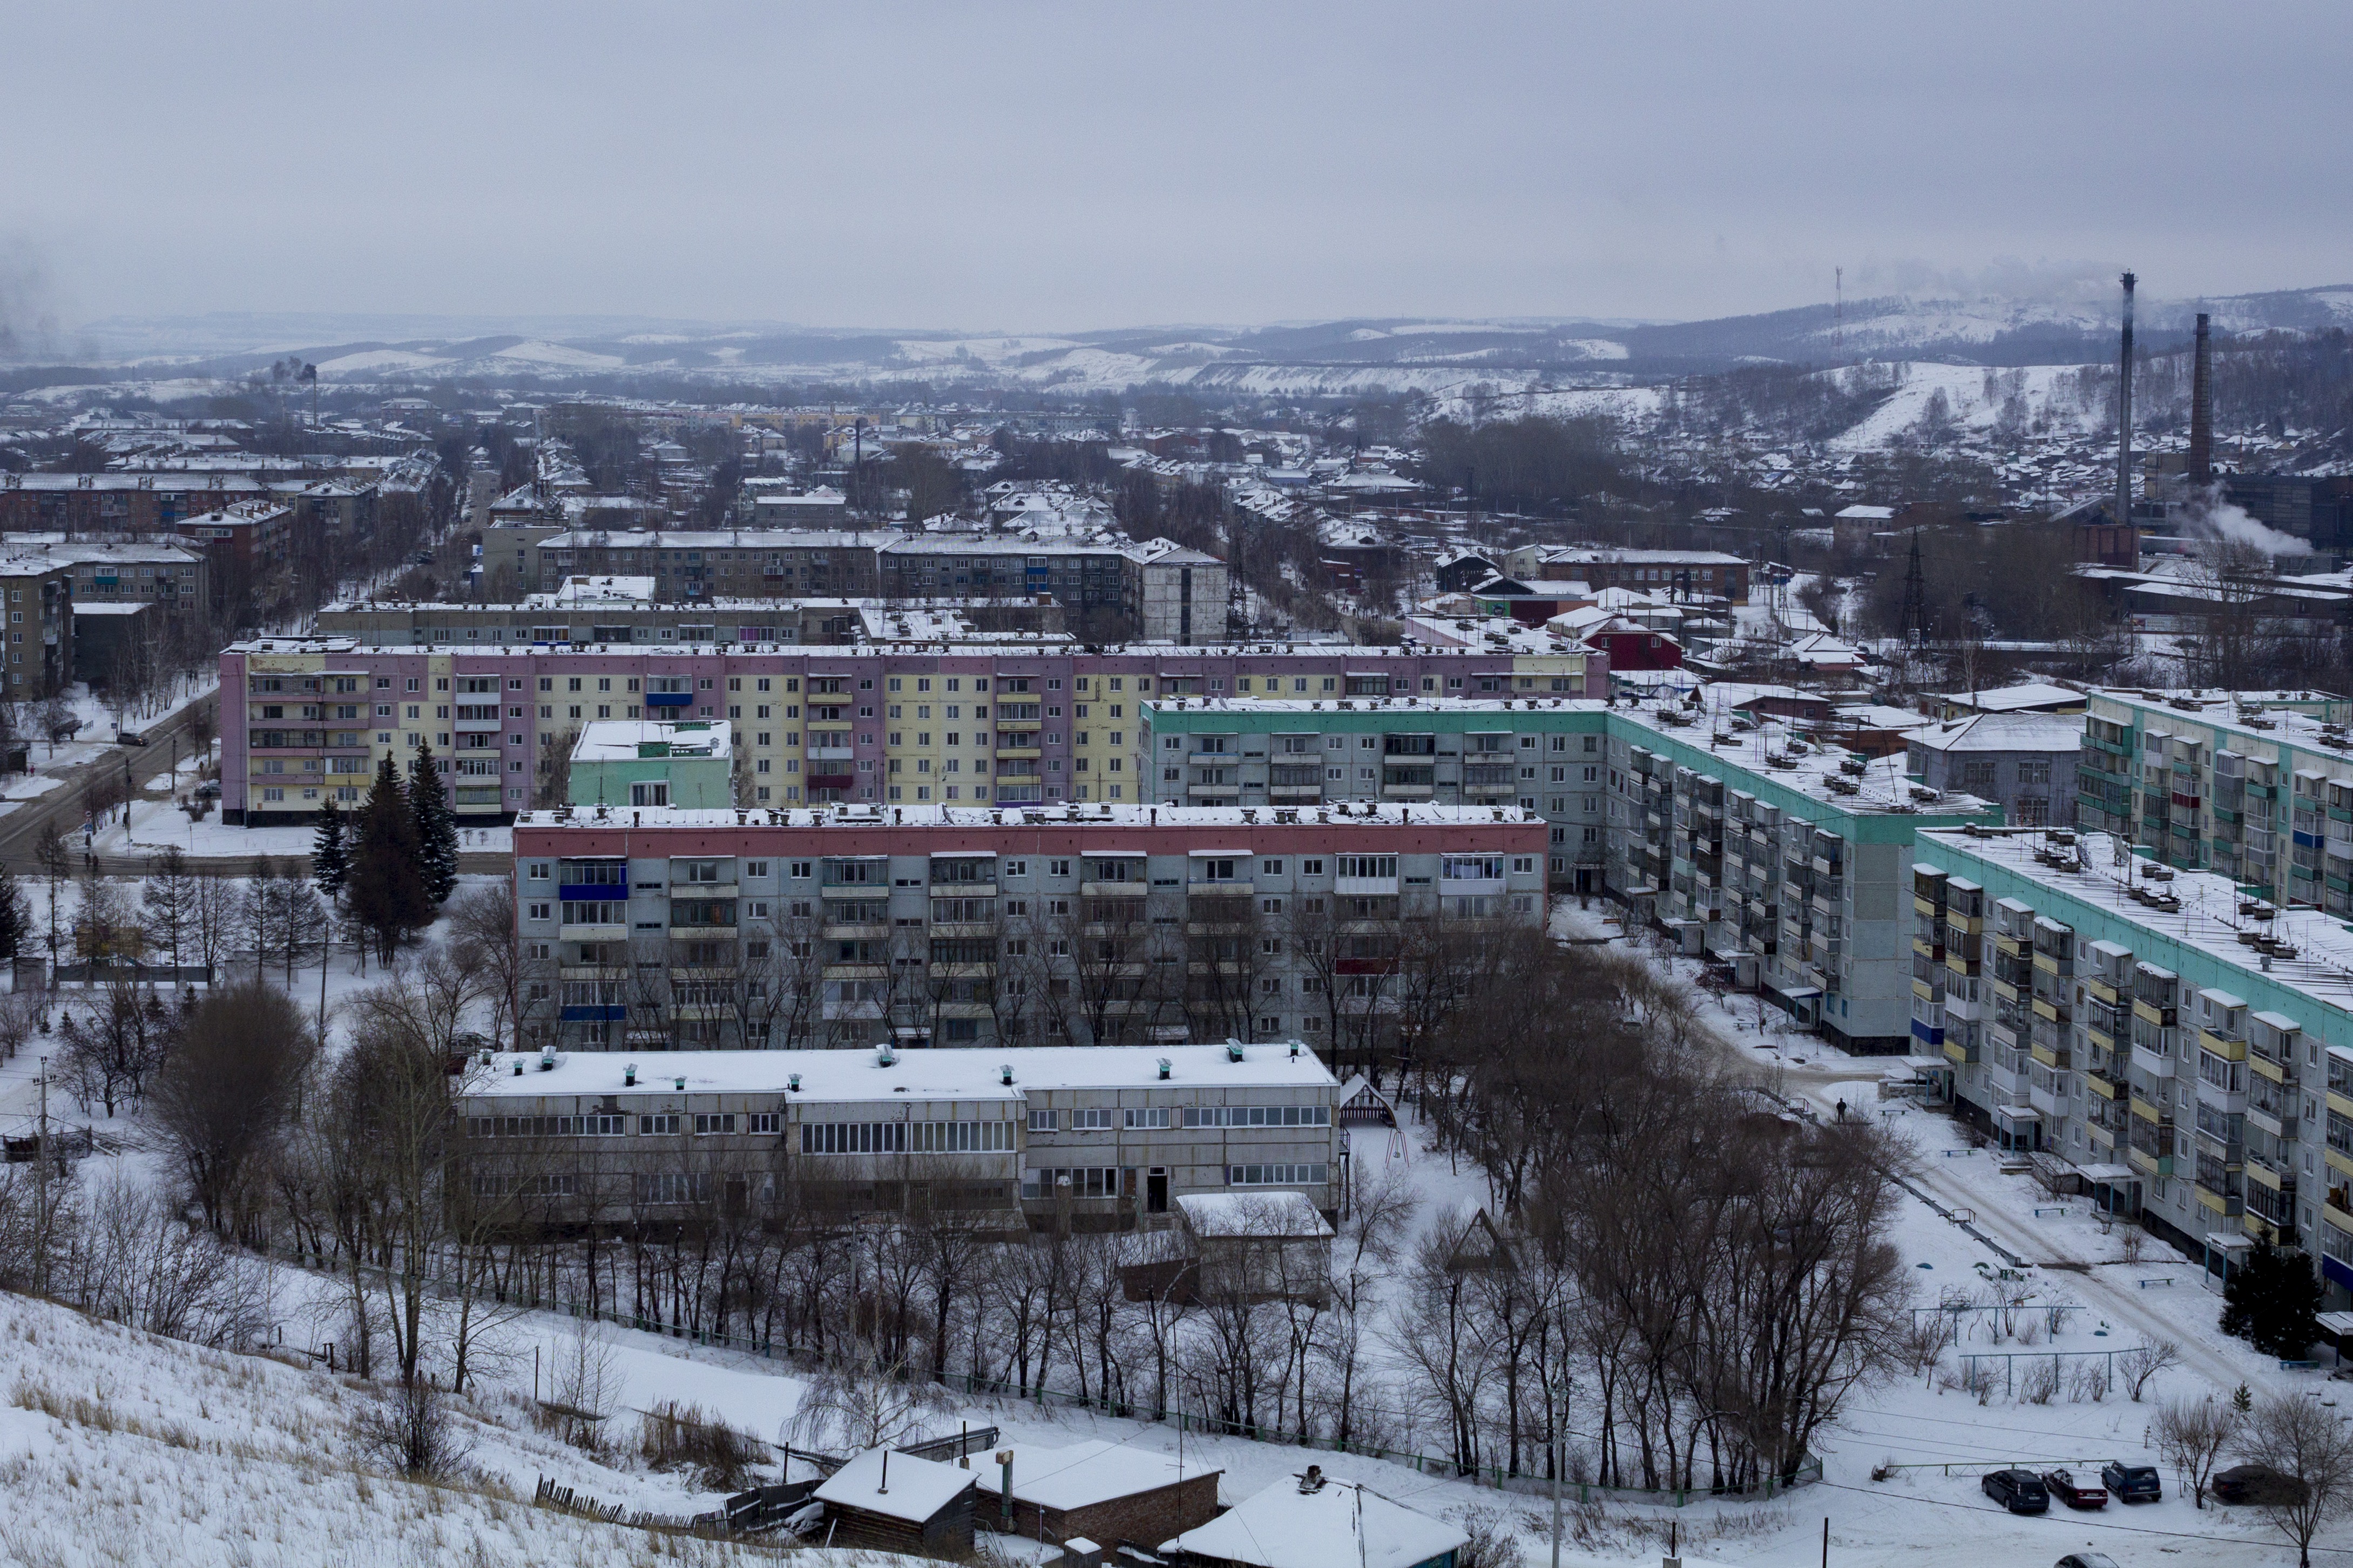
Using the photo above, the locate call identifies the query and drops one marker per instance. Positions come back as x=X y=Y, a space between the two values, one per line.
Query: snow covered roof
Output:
x=1343 y=1524
x=2002 y=732
x=1251 y=1213
x=1079 y=814
x=918 y=1489
x=627 y=740
x=1085 y=1474
x=944 y=1074
x=2020 y=699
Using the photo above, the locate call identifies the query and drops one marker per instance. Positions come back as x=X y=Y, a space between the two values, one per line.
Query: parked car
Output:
x=2256 y=1484
x=2021 y=1491
x=2131 y=1483
x=2063 y=1486
x=2087 y=1559
x=129 y=738
x=422 y=558
x=208 y=790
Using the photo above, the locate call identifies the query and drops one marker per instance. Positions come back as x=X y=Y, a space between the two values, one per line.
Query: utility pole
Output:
x=41 y=1191
x=1915 y=627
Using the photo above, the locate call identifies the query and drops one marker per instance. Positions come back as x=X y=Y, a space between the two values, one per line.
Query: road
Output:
x=20 y=829
x=1960 y=1185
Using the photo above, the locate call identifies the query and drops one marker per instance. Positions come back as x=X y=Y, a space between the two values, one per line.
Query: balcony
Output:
x=613 y=930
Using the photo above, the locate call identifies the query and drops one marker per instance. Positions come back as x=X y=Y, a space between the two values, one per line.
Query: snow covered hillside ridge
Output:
x=1355 y=355
x=117 y=1447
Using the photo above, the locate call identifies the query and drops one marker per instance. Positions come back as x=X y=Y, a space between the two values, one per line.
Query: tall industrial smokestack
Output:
x=2124 y=413
x=2202 y=410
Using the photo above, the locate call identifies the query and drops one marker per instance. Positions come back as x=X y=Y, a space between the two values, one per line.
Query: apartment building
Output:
x=842 y=926
x=40 y=645
x=688 y=564
x=1166 y=592
x=2172 y=1044
x=1788 y=861
x=118 y=503
x=1077 y=1138
x=1543 y=754
x=2255 y=786
x=242 y=539
x=1004 y=722
x=628 y=610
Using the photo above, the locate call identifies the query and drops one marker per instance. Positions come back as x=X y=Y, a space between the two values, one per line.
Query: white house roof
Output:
x=2017 y=698
x=2002 y=732
x=919 y=1488
x=1343 y=1525
x=1251 y=1213
x=1085 y=1474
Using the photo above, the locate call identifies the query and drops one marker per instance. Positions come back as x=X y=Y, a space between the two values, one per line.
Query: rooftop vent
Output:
x=629 y=1076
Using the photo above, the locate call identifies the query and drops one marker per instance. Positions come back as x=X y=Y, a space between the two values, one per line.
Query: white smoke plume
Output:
x=2211 y=517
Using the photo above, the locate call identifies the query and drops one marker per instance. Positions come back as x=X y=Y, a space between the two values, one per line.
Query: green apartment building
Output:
x=2176 y=1047
x=2253 y=785
x=1789 y=862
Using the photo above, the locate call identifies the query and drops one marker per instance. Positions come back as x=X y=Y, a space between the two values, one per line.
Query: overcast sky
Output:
x=1049 y=167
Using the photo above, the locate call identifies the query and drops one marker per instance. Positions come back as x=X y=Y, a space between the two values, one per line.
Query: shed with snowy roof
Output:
x=1110 y=1492
x=897 y=1503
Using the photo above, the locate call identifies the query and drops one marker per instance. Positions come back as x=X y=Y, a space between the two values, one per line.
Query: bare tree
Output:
x=2192 y=1436
x=2299 y=1440
x=2142 y=1362
x=223 y=1099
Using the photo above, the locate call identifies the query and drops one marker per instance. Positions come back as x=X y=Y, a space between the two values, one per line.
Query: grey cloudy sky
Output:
x=1044 y=167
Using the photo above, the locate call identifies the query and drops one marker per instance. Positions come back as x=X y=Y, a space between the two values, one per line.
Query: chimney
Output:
x=2123 y=412
x=2202 y=409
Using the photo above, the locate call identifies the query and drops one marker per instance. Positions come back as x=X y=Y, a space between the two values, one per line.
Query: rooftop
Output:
x=1076 y=814
x=2212 y=915
x=1343 y=1524
x=2001 y=732
x=918 y=1487
x=2017 y=699
x=628 y=739
x=1780 y=750
x=945 y=1073
x=1084 y=1474
x=1251 y=1213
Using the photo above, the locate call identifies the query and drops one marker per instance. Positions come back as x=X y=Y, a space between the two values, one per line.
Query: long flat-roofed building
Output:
x=1088 y=1138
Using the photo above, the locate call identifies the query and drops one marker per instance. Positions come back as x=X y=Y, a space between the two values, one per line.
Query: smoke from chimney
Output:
x=2202 y=409
x=2124 y=412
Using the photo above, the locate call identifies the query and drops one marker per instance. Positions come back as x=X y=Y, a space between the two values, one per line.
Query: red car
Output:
x=2062 y=1485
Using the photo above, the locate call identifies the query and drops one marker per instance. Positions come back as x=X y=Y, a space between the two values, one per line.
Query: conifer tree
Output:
x=2272 y=1300
x=386 y=888
x=16 y=916
x=435 y=827
x=330 y=861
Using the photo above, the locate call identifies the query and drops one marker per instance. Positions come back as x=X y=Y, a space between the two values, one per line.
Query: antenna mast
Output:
x=1838 y=312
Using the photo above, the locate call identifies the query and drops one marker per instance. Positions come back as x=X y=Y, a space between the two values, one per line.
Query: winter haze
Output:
x=1066 y=168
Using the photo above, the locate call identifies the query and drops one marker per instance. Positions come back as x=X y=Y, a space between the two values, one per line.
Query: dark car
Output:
x=2087 y=1559
x=2131 y=1483
x=129 y=738
x=208 y=790
x=2021 y=1491
x=2256 y=1484
x=2063 y=1486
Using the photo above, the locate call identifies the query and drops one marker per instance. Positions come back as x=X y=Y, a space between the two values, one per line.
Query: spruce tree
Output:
x=16 y=917
x=2272 y=1301
x=330 y=861
x=387 y=890
x=436 y=825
